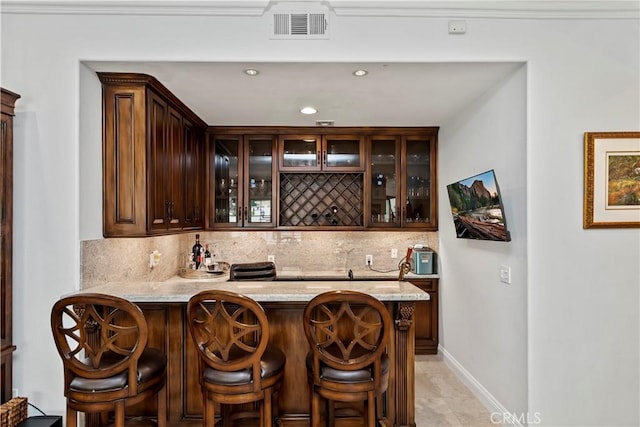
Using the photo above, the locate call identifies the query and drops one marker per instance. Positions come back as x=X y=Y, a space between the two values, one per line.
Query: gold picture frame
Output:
x=611 y=180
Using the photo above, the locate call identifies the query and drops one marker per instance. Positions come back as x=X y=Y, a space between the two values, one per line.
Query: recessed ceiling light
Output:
x=360 y=73
x=251 y=72
x=308 y=110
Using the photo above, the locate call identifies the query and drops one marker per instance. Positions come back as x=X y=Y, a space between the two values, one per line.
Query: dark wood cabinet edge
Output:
x=7 y=107
x=150 y=81
x=8 y=100
x=370 y=228
x=7 y=350
x=333 y=130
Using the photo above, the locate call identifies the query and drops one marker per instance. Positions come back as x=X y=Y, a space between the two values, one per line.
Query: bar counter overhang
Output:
x=164 y=305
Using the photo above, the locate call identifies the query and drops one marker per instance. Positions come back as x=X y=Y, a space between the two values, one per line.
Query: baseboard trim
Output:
x=485 y=397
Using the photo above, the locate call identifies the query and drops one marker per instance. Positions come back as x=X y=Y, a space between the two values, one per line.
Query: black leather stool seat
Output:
x=348 y=334
x=108 y=366
x=152 y=363
x=271 y=364
x=237 y=365
x=342 y=376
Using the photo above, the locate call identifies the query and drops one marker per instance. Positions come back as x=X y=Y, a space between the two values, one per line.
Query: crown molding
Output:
x=512 y=9
x=136 y=7
x=508 y=9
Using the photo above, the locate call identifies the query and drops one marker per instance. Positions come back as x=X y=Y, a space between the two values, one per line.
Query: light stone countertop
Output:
x=358 y=274
x=179 y=290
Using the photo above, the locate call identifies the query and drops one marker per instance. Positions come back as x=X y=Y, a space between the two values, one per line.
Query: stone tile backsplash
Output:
x=127 y=259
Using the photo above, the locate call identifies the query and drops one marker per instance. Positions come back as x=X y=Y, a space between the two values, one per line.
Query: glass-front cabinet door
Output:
x=259 y=182
x=225 y=207
x=300 y=153
x=384 y=192
x=313 y=153
x=401 y=182
x=342 y=153
x=243 y=176
x=418 y=176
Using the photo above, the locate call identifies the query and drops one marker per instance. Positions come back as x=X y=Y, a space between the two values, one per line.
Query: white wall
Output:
x=484 y=321
x=582 y=296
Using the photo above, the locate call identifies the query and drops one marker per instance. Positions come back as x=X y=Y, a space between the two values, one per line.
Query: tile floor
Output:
x=443 y=400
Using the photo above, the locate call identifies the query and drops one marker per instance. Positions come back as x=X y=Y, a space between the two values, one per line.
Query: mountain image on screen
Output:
x=476 y=206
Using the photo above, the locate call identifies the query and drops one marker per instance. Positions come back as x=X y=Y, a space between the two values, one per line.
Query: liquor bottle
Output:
x=195 y=250
x=207 y=256
x=408 y=211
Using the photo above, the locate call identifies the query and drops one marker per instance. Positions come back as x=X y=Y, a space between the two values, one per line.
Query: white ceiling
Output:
x=392 y=94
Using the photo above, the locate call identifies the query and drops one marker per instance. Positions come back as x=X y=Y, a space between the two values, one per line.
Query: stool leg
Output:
x=209 y=411
x=371 y=409
x=331 y=414
x=162 y=406
x=120 y=413
x=267 y=409
x=315 y=409
x=72 y=418
x=226 y=413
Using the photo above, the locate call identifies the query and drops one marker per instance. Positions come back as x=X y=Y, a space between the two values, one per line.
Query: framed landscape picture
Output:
x=611 y=180
x=477 y=209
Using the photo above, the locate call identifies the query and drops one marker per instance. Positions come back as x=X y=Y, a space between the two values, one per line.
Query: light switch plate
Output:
x=505 y=274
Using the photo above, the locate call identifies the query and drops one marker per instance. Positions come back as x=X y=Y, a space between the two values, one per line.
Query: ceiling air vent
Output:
x=296 y=25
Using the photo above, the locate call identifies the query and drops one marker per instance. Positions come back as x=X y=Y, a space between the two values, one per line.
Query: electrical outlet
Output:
x=271 y=258
x=394 y=253
x=368 y=260
x=154 y=258
x=505 y=274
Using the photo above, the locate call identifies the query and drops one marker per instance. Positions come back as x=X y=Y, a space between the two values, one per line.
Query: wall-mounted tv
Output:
x=476 y=206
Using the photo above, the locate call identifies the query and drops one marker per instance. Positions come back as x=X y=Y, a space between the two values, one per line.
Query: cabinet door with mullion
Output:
x=259 y=181
x=315 y=153
x=419 y=182
x=383 y=175
x=299 y=153
x=243 y=187
x=343 y=153
x=224 y=163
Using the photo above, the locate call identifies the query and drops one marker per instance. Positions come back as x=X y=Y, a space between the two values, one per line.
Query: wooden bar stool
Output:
x=102 y=341
x=348 y=333
x=237 y=364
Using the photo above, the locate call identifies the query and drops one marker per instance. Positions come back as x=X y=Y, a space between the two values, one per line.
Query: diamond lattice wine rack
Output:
x=322 y=199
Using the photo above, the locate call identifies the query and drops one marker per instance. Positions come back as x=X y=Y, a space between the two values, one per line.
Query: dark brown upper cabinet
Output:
x=242 y=178
x=165 y=171
x=153 y=159
x=402 y=181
